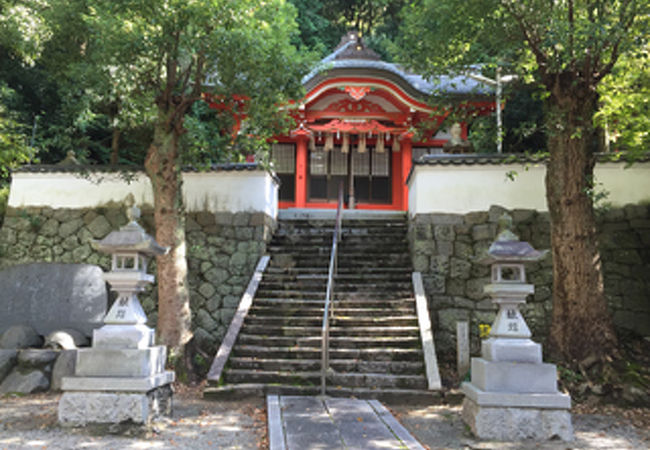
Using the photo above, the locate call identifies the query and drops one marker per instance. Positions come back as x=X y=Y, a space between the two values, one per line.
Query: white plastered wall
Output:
x=221 y=191
x=465 y=188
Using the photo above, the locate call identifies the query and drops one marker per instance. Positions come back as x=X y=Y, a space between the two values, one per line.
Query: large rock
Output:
x=25 y=383
x=36 y=358
x=19 y=336
x=52 y=297
x=7 y=362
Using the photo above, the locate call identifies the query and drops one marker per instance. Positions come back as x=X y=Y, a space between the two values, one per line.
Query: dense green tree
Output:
x=14 y=149
x=566 y=47
x=167 y=55
x=323 y=22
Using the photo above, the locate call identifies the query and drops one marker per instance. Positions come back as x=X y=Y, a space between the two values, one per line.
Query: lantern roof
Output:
x=130 y=238
x=507 y=248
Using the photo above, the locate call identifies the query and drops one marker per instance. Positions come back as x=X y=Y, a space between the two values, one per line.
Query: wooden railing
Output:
x=328 y=310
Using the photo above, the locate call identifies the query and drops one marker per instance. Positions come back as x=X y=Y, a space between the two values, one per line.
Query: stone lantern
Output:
x=512 y=394
x=122 y=377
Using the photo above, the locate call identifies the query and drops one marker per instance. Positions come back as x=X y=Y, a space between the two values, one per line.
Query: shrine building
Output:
x=357 y=125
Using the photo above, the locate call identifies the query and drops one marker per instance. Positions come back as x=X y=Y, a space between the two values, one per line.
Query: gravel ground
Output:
x=441 y=427
x=31 y=422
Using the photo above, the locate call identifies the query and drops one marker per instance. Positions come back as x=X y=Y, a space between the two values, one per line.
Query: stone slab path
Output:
x=301 y=423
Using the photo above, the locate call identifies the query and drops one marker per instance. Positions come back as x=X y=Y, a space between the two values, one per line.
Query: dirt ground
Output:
x=31 y=422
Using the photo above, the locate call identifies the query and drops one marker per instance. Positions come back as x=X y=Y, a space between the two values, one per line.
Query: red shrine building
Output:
x=356 y=126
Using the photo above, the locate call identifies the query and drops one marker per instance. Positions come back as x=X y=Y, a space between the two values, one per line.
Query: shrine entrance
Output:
x=367 y=172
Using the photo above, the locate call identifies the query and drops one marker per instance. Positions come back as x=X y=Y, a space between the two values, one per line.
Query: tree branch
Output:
x=529 y=36
x=626 y=20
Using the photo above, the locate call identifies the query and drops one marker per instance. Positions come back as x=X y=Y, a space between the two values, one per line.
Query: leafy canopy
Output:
x=168 y=53
x=543 y=41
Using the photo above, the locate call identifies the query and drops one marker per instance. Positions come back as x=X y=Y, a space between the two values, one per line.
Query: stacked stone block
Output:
x=223 y=249
x=444 y=247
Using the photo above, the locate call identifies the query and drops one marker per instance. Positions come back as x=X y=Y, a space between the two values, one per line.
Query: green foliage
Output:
x=625 y=102
x=239 y=49
x=22 y=28
x=13 y=139
x=536 y=39
x=323 y=22
x=317 y=30
x=483 y=134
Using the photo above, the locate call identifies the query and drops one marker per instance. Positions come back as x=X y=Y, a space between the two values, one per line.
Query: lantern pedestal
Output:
x=122 y=377
x=512 y=394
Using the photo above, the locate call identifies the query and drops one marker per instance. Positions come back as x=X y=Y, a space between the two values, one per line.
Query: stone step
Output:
x=384 y=277
x=358 y=263
x=366 y=294
x=336 y=321
x=338 y=365
x=325 y=242
x=290 y=241
x=368 y=380
x=328 y=226
x=335 y=341
x=392 y=395
x=338 y=303
x=344 y=247
x=314 y=352
x=310 y=311
x=354 y=253
x=341 y=285
x=341 y=270
x=358 y=255
x=335 y=331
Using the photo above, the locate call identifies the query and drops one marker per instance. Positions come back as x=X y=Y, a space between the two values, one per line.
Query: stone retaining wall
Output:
x=223 y=249
x=443 y=248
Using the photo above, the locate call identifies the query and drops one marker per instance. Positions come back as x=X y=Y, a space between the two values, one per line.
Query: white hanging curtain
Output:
x=361 y=146
x=345 y=144
x=379 y=147
x=396 y=146
x=312 y=143
x=329 y=142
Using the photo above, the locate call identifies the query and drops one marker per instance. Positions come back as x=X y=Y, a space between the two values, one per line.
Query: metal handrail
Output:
x=328 y=311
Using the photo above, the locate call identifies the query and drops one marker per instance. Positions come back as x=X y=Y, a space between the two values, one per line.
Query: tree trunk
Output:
x=581 y=323
x=163 y=168
x=115 y=146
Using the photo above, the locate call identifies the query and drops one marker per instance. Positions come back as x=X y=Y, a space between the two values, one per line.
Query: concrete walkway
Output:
x=302 y=423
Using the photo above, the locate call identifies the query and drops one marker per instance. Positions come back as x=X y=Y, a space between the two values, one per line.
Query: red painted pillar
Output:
x=407 y=160
x=396 y=179
x=301 y=172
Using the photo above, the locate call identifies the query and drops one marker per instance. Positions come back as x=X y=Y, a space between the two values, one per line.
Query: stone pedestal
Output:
x=94 y=407
x=509 y=400
x=535 y=421
x=114 y=385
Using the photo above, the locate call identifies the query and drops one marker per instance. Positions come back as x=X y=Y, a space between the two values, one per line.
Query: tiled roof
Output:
x=68 y=168
x=472 y=159
x=479 y=159
x=339 y=60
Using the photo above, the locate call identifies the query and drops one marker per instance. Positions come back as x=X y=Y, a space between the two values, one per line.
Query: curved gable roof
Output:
x=353 y=59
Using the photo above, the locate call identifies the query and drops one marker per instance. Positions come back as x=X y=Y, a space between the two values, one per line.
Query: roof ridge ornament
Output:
x=357 y=92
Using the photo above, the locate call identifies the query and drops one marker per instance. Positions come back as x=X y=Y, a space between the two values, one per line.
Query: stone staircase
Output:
x=375 y=346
